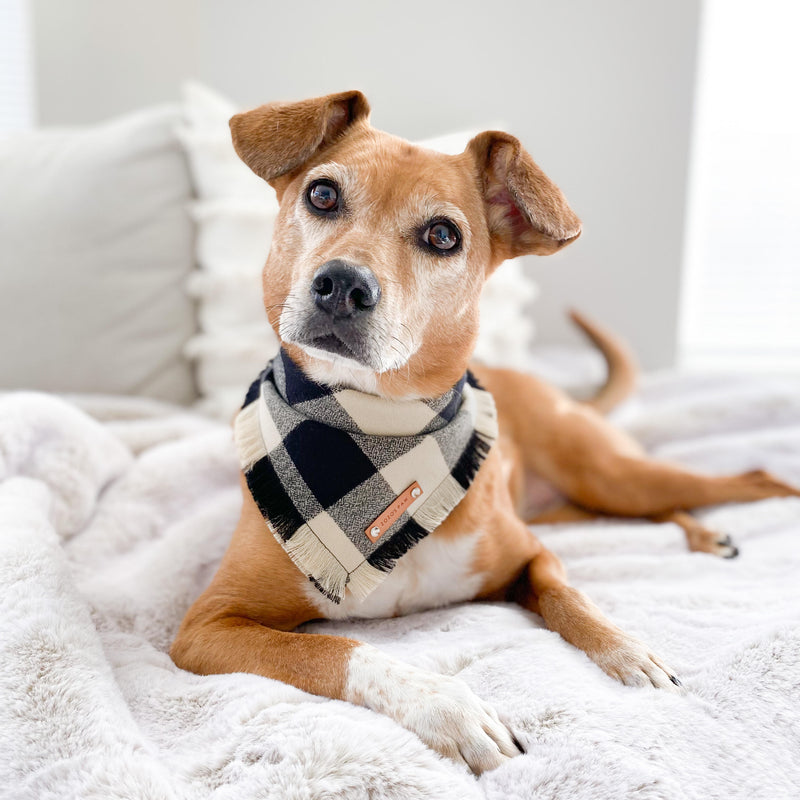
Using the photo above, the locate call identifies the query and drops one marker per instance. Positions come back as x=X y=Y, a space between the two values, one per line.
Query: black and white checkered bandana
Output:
x=348 y=482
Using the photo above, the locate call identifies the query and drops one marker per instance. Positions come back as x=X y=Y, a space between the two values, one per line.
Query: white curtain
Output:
x=741 y=293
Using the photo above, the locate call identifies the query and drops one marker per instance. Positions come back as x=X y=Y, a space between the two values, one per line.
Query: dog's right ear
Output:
x=276 y=139
x=526 y=211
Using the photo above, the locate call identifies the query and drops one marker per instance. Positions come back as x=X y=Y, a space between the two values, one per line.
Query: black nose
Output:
x=344 y=290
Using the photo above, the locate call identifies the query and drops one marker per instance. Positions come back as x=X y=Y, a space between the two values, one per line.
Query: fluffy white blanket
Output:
x=113 y=515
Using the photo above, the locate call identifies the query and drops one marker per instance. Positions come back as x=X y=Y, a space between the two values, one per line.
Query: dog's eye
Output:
x=442 y=236
x=322 y=197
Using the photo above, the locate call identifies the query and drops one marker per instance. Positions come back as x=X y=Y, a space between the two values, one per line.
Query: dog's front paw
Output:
x=631 y=662
x=441 y=710
x=449 y=718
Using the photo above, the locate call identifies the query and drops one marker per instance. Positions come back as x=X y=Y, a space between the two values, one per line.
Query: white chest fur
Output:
x=434 y=573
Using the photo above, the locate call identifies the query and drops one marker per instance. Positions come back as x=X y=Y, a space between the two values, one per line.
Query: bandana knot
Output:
x=347 y=481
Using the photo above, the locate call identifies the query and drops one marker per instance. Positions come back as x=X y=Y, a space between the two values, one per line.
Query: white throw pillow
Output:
x=95 y=248
x=235 y=213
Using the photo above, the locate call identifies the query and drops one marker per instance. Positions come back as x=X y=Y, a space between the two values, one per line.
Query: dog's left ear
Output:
x=526 y=211
x=276 y=139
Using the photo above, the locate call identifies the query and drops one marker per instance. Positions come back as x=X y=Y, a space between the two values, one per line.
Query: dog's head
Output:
x=381 y=247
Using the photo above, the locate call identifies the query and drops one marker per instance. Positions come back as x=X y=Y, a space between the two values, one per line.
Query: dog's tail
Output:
x=622 y=369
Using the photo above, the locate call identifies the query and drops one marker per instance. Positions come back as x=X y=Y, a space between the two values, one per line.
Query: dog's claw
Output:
x=675 y=680
x=516 y=742
x=726 y=548
x=703 y=540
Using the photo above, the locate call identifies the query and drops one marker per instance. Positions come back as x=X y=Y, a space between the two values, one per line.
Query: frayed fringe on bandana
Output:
x=285 y=445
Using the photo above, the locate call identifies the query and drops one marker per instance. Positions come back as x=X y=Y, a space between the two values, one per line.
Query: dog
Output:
x=372 y=284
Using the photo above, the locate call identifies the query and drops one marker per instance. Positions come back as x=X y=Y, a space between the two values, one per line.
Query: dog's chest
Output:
x=435 y=572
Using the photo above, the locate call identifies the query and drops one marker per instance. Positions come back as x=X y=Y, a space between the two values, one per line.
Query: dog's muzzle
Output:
x=344 y=297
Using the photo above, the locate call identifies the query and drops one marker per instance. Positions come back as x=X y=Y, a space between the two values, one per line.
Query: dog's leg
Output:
x=244 y=622
x=565 y=513
x=441 y=710
x=634 y=486
x=543 y=588
x=600 y=467
x=226 y=642
x=699 y=538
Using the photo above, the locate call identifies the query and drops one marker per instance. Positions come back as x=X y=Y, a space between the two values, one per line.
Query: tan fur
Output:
x=422 y=334
x=241 y=623
x=621 y=380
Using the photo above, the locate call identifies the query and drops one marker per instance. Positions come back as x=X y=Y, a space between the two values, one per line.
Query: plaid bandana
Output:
x=348 y=482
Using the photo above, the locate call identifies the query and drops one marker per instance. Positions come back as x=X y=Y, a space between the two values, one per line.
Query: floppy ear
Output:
x=525 y=210
x=275 y=139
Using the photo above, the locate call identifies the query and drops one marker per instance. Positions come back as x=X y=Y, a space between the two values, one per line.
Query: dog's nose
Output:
x=344 y=290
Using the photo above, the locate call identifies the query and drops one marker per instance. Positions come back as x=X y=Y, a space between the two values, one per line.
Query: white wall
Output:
x=599 y=92
x=96 y=58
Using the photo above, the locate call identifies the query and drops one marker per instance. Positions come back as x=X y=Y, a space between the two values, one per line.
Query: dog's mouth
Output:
x=324 y=339
x=331 y=343
x=352 y=343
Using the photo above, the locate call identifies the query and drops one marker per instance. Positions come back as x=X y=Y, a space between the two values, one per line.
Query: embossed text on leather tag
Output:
x=376 y=529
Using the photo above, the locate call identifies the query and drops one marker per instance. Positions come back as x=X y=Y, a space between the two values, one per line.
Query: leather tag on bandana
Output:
x=378 y=527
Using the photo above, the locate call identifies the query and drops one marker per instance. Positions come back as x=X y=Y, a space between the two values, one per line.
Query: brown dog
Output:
x=412 y=235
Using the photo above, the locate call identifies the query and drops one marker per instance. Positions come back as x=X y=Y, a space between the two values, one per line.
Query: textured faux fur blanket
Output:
x=114 y=514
